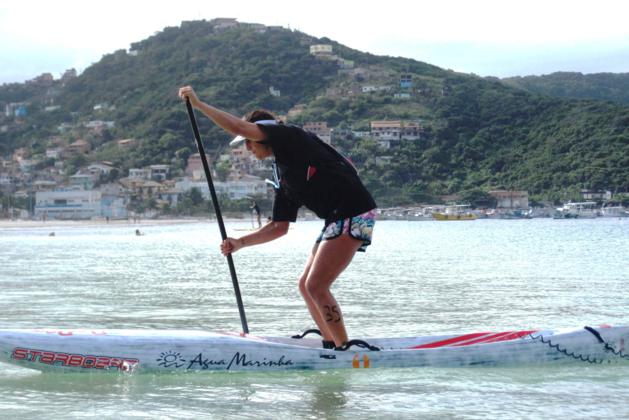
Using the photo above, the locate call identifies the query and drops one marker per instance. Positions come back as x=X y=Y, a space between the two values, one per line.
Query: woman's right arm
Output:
x=225 y=120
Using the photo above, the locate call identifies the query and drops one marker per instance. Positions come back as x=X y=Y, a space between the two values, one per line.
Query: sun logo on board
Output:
x=170 y=358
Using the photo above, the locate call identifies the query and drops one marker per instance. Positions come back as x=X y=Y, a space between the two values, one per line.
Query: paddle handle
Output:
x=219 y=216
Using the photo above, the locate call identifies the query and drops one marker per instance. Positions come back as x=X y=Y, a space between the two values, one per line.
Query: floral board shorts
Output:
x=358 y=227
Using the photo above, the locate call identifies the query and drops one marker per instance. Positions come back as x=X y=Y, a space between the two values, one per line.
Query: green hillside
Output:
x=478 y=133
x=599 y=86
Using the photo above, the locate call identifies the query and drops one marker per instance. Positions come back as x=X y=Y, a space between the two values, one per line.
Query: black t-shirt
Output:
x=313 y=174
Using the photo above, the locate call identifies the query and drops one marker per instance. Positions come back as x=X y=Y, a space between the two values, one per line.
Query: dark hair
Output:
x=259 y=115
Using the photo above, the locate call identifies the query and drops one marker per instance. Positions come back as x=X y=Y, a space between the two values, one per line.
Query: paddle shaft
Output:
x=219 y=216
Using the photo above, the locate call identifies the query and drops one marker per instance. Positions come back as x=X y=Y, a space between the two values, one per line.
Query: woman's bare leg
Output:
x=328 y=262
x=310 y=303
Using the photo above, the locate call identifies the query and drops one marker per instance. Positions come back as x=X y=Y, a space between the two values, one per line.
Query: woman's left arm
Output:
x=266 y=233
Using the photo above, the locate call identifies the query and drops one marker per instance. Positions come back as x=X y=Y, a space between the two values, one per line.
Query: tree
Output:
x=195 y=196
x=113 y=175
x=222 y=170
x=75 y=162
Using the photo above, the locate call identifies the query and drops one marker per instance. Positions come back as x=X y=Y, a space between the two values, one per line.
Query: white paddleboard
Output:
x=188 y=351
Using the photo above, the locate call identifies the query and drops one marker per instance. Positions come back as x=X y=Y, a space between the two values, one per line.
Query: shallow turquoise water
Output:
x=417 y=278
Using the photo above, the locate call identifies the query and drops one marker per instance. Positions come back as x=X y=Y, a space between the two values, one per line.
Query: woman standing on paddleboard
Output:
x=313 y=174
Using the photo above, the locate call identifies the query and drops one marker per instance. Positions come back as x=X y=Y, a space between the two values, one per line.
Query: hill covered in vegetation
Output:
x=612 y=87
x=477 y=133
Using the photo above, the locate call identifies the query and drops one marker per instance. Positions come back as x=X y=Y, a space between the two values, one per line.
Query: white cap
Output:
x=238 y=140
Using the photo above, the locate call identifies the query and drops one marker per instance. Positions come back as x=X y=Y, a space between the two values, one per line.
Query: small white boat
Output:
x=614 y=211
x=188 y=351
x=584 y=210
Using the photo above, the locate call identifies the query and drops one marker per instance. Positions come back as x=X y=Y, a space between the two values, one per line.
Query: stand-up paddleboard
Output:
x=188 y=351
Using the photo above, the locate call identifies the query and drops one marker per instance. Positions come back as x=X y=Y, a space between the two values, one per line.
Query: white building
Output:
x=67 y=204
x=98 y=169
x=44 y=185
x=374 y=88
x=511 y=199
x=361 y=134
x=113 y=207
x=386 y=132
x=53 y=153
x=247 y=186
x=137 y=173
x=222 y=24
x=98 y=124
x=321 y=49
x=402 y=95
x=84 y=181
x=186 y=184
x=113 y=201
x=159 y=172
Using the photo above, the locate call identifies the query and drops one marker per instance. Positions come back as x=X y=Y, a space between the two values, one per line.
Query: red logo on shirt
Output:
x=310 y=173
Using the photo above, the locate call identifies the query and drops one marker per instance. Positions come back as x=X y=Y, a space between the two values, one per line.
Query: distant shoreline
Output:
x=25 y=224
x=21 y=224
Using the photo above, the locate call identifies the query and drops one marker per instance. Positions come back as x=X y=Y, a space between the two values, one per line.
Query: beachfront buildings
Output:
x=246 y=186
x=112 y=200
x=68 y=203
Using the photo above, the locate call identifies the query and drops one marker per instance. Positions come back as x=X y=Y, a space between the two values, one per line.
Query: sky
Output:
x=499 y=38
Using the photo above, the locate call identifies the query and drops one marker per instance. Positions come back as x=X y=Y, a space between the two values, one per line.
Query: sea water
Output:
x=417 y=278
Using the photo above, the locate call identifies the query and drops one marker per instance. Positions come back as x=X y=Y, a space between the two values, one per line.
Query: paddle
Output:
x=219 y=217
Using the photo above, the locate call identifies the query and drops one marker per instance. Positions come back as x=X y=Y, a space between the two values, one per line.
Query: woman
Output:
x=309 y=173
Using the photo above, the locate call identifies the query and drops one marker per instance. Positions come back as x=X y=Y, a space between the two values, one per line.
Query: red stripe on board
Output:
x=512 y=336
x=476 y=338
x=488 y=339
x=450 y=341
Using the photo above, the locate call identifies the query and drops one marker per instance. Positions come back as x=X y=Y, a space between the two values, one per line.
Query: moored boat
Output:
x=582 y=210
x=614 y=211
x=456 y=212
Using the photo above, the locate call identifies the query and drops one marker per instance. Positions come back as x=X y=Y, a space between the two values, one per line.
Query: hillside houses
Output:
x=100 y=169
x=194 y=167
x=240 y=161
x=80 y=146
x=237 y=174
x=321 y=129
x=386 y=132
